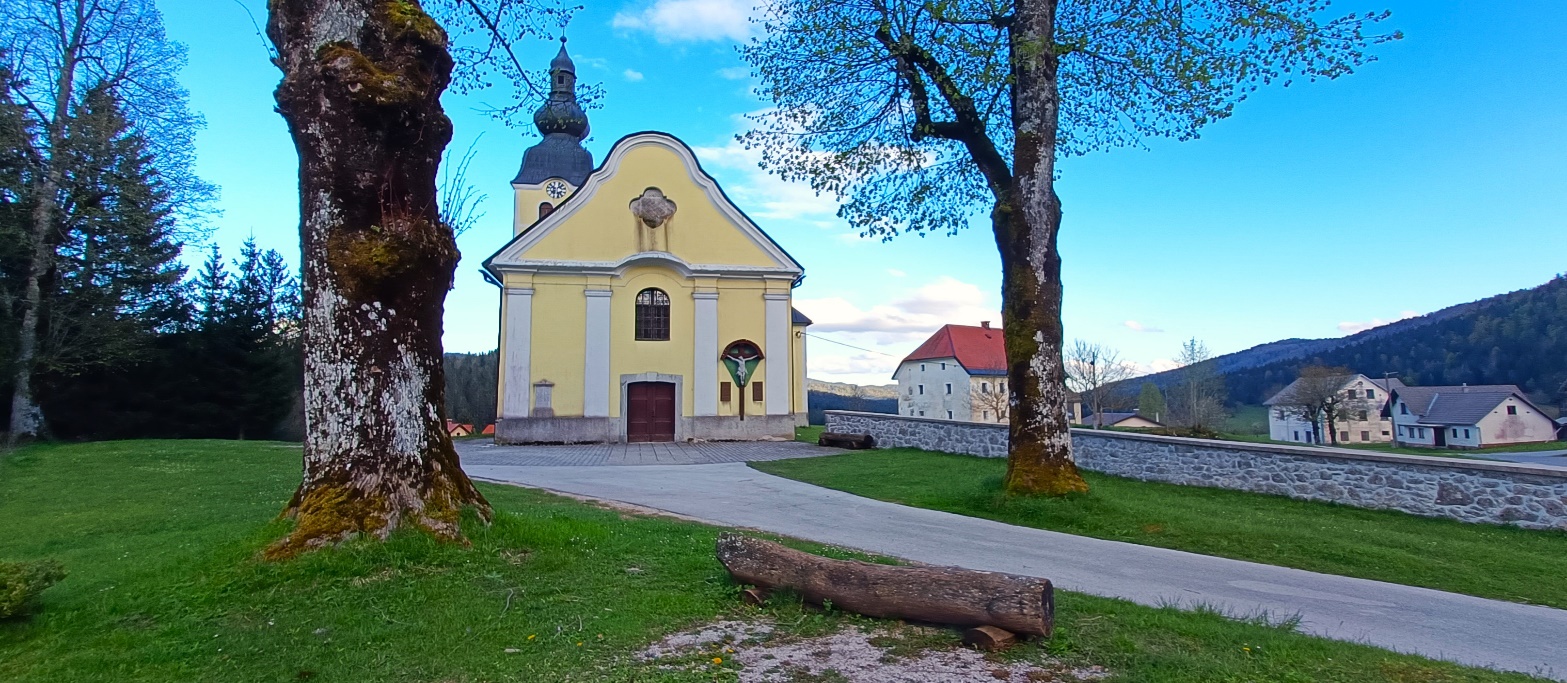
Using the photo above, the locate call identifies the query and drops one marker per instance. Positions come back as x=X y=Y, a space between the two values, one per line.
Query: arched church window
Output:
x=545 y=208
x=652 y=315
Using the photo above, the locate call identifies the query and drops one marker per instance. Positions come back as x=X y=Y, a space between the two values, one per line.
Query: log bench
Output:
x=992 y=605
x=857 y=442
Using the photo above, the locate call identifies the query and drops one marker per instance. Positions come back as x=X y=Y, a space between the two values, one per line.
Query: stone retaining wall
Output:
x=1529 y=496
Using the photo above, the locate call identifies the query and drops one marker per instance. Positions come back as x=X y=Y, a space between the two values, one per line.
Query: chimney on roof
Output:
x=985 y=324
x=1466 y=387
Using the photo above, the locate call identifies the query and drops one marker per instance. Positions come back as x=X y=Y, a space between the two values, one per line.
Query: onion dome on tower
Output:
x=563 y=124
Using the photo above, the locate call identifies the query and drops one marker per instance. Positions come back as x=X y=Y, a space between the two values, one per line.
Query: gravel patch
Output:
x=853 y=655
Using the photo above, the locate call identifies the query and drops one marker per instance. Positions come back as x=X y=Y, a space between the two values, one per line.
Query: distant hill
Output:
x=846 y=389
x=826 y=396
x=1514 y=338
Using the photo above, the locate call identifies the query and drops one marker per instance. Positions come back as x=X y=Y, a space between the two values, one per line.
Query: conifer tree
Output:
x=1151 y=404
x=117 y=277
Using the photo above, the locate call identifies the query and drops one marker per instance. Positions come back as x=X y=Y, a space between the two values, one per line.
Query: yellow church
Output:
x=638 y=303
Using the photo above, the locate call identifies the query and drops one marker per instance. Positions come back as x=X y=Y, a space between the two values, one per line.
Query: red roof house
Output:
x=980 y=350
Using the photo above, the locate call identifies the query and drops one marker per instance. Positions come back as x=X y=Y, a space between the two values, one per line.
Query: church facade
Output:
x=638 y=303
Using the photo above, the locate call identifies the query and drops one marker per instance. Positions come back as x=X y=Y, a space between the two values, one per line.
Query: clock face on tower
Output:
x=556 y=189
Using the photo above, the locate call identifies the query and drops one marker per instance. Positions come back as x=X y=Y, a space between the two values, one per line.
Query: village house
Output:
x=960 y=373
x=1367 y=421
x=1467 y=417
x=1122 y=420
x=638 y=303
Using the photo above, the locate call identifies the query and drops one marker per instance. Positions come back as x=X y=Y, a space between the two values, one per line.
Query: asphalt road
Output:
x=1435 y=624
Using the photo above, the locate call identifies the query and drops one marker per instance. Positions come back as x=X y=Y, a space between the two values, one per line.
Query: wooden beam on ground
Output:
x=856 y=442
x=941 y=595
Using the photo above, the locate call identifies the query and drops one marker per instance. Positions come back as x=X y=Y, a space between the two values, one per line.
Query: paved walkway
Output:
x=477 y=452
x=1440 y=625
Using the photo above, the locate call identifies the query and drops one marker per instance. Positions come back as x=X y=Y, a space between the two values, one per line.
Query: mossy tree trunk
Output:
x=1027 y=222
x=361 y=88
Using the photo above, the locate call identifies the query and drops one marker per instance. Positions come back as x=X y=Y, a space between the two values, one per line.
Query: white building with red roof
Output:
x=959 y=373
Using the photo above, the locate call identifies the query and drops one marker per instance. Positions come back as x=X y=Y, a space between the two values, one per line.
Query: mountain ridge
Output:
x=1518 y=337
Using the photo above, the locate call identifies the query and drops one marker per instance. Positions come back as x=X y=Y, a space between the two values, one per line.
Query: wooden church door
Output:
x=650 y=411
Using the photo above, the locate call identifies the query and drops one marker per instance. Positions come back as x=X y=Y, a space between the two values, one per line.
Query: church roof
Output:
x=980 y=350
x=564 y=124
x=559 y=155
x=562 y=61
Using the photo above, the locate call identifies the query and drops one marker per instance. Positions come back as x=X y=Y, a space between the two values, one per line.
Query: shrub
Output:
x=20 y=582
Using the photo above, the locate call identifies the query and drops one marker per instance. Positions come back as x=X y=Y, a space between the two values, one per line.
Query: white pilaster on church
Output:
x=705 y=374
x=778 y=355
x=595 y=369
x=519 y=352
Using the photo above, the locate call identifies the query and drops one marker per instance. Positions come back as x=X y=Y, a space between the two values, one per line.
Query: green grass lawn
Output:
x=1499 y=562
x=809 y=434
x=161 y=540
x=1248 y=420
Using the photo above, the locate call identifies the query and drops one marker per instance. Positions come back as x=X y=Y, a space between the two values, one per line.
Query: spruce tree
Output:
x=1151 y=404
x=117 y=273
x=115 y=282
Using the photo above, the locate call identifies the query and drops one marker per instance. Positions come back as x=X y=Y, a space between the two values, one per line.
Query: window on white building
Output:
x=1371 y=393
x=1365 y=436
x=922 y=389
x=949 y=415
x=1403 y=409
x=1512 y=410
x=943 y=366
x=1363 y=416
x=1466 y=433
x=922 y=413
x=984 y=387
x=984 y=414
x=1001 y=387
x=949 y=387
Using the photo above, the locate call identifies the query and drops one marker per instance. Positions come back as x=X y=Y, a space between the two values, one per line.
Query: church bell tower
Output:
x=558 y=164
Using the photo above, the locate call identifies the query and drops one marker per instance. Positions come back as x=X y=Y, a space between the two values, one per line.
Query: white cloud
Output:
x=763 y=194
x=735 y=73
x=633 y=75
x=1135 y=326
x=1354 y=327
x=896 y=273
x=856 y=364
x=595 y=62
x=696 y=20
x=1157 y=365
x=910 y=318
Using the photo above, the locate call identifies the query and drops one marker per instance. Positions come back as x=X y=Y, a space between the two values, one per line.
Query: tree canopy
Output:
x=887 y=104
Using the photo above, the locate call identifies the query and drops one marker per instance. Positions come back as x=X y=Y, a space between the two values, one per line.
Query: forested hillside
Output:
x=470 y=387
x=1515 y=338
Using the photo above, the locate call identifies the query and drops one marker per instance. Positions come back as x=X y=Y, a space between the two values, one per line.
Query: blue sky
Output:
x=1435 y=176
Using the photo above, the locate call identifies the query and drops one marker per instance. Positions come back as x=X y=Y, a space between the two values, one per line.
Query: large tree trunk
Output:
x=26 y=416
x=1026 y=223
x=362 y=81
x=940 y=595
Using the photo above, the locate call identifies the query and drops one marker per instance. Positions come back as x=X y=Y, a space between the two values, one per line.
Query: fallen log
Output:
x=940 y=595
x=858 y=442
